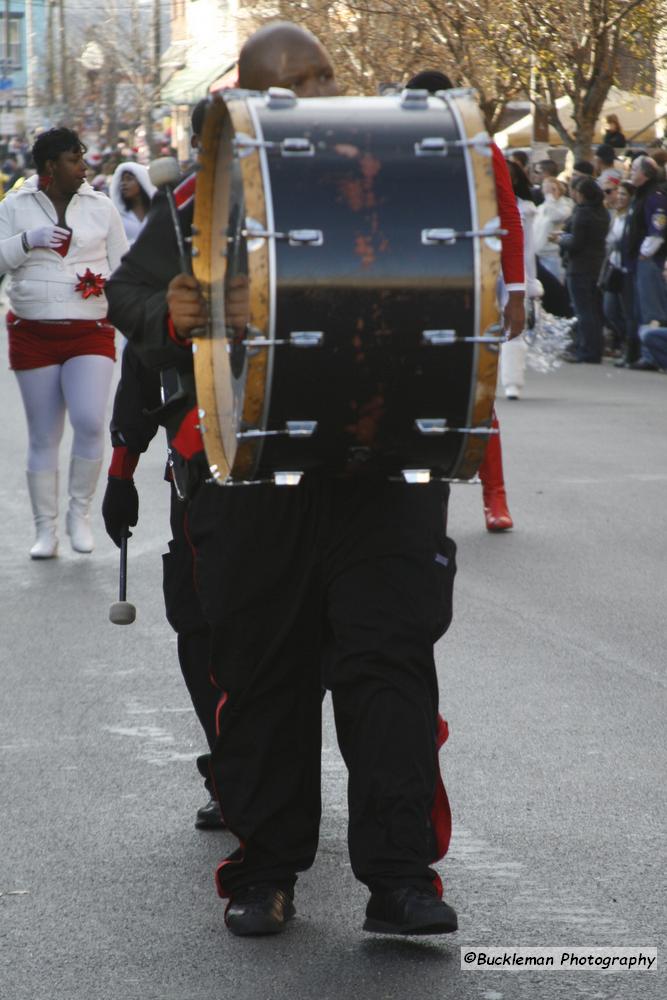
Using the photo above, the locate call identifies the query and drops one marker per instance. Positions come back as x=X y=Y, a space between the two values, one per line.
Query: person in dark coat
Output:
x=346 y=580
x=583 y=247
x=614 y=134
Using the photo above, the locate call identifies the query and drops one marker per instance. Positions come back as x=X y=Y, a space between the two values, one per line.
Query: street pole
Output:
x=30 y=64
x=157 y=43
x=157 y=51
x=49 y=54
x=5 y=63
x=64 y=83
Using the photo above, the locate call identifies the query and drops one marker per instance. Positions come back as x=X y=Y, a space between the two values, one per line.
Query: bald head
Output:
x=283 y=54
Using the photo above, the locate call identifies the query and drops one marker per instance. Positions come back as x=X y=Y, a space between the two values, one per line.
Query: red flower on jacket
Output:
x=90 y=284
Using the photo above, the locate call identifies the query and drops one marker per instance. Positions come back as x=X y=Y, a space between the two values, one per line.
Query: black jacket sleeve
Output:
x=137 y=393
x=137 y=289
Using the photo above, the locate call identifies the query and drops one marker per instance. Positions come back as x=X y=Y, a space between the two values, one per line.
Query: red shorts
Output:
x=36 y=344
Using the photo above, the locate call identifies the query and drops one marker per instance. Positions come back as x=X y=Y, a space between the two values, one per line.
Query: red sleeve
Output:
x=123 y=463
x=171 y=332
x=511 y=257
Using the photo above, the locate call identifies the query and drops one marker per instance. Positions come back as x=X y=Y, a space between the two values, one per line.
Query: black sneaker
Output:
x=643 y=366
x=259 y=909
x=209 y=817
x=411 y=910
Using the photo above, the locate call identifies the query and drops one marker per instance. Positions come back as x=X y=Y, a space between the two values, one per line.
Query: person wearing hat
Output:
x=131 y=192
x=604 y=165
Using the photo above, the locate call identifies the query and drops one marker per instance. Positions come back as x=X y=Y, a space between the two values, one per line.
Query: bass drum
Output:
x=349 y=252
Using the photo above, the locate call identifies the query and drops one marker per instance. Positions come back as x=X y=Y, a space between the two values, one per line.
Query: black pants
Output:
x=346 y=581
x=585 y=297
x=185 y=616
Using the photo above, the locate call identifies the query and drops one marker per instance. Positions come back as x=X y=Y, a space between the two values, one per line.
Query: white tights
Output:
x=80 y=387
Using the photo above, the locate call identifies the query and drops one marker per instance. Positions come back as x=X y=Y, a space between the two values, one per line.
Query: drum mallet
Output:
x=121 y=611
x=165 y=174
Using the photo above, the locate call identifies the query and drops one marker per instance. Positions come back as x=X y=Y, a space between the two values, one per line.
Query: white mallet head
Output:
x=164 y=170
x=122 y=613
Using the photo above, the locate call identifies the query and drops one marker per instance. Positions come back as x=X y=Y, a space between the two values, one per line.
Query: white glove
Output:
x=46 y=236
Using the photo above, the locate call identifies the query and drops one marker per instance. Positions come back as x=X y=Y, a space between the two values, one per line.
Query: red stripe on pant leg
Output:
x=235 y=858
x=441 y=814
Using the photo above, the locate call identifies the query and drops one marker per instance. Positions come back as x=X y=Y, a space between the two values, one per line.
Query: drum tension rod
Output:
x=444 y=338
x=244 y=145
x=437 y=237
x=293 y=429
x=298 y=338
x=437 y=145
x=419 y=476
x=430 y=426
x=295 y=237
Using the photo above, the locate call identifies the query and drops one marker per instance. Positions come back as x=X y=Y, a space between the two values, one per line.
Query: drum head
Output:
x=342 y=246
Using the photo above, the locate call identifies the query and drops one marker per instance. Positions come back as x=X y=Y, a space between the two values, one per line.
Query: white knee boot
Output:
x=83 y=476
x=43 y=490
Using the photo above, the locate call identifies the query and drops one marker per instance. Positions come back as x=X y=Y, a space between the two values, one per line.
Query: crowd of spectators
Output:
x=599 y=231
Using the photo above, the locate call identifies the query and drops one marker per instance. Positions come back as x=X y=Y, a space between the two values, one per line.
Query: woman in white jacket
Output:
x=549 y=218
x=59 y=241
x=131 y=192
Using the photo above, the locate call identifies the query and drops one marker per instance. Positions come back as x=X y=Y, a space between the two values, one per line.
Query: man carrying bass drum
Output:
x=348 y=581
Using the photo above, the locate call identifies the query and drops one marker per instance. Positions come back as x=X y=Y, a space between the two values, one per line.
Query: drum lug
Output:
x=439 y=338
x=414 y=100
x=301 y=428
x=416 y=476
x=431 y=425
x=306 y=338
x=436 y=237
x=278 y=98
x=297 y=146
x=434 y=145
x=305 y=237
x=287 y=478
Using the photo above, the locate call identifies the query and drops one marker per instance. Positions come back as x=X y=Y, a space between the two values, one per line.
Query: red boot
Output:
x=497 y=515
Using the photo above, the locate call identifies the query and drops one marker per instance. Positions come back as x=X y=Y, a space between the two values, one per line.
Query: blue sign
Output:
x=6 y=83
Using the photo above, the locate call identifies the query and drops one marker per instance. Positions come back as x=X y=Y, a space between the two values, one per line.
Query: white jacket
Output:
x=43 y=283
x=131 y=223
x=549 y=218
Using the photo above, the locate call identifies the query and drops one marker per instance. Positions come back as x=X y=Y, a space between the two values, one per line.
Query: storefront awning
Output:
x=189 y=85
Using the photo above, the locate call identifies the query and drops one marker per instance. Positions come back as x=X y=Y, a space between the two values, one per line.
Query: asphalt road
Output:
x=552 y=680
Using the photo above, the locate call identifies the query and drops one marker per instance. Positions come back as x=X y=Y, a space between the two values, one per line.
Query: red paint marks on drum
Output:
x=370 y=167
x=371 y=415
x=353 y=194
x=363 y=247
x=357 y=192
x=347 y=149
x=358 y=345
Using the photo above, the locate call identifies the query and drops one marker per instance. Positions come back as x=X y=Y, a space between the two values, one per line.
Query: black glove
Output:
x=120 y=508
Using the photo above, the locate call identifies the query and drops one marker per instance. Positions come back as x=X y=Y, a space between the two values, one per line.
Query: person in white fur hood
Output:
x=131 y=192
x=60 y=240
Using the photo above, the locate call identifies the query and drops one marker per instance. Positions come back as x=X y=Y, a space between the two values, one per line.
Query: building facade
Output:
x=204 y=45
x=22 y=80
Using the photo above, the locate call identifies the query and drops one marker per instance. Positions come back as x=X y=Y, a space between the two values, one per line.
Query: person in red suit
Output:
x=496 y=512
